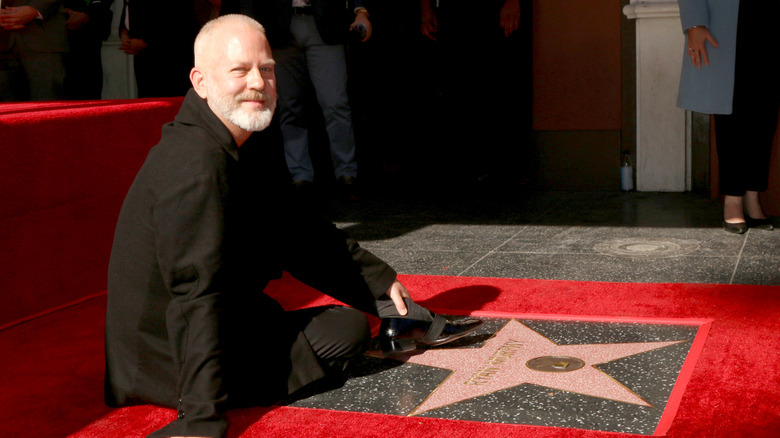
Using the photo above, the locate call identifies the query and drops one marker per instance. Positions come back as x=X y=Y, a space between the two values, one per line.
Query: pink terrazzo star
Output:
x=501 y=363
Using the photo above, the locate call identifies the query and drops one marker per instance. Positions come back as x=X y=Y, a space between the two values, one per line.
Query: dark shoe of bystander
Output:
x=348 y=188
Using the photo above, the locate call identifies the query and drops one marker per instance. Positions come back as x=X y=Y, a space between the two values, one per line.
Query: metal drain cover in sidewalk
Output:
x=646 y=248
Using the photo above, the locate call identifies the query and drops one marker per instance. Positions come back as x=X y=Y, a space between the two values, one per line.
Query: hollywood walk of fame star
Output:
x=503 y=362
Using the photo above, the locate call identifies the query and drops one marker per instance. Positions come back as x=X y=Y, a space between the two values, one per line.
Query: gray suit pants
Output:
x=309 y=59
x=31 y=75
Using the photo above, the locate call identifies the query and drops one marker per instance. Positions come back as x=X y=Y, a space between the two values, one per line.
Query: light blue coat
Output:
x=709 y=89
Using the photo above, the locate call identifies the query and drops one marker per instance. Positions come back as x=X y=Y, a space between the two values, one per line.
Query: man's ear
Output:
x=198 y=82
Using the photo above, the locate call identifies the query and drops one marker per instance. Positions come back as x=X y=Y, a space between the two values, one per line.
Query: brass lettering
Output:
x=500 y=357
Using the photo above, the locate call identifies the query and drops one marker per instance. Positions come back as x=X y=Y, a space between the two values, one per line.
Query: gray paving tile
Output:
x=564 y=235
x=584 y=240
x=380 y=231
x=758 y=270
x=762 y=243
x=605 y=268
x=637 y=209
x=453 y=237
x=426 y=262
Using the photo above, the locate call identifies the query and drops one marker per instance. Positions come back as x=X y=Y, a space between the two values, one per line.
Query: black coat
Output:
x=203 y=229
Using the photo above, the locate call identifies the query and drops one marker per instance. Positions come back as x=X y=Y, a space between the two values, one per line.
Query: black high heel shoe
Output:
x=759 y=224
x=735 y=227
x=400 y=335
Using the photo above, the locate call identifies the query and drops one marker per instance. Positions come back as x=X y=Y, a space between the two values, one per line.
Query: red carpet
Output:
x=65 y=168
x=51 y=373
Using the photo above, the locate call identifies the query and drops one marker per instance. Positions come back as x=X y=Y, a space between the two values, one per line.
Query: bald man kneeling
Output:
x=206 y=225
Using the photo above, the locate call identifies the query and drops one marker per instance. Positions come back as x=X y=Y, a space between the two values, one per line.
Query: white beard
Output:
x=248 y=120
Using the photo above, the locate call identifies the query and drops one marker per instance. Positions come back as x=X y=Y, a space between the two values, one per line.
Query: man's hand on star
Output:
x=397 y=293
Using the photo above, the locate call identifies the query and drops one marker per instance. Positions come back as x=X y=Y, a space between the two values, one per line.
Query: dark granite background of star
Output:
x=388 y=386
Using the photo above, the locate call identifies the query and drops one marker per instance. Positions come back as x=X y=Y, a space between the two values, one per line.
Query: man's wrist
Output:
x=363 y=10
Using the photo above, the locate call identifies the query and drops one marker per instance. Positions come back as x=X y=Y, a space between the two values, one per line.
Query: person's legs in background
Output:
x=291 y=79
x=306 y=60
x=744 y=137
x=327 y=67
x=45 y=73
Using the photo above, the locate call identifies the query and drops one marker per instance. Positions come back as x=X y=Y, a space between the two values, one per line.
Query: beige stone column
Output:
x=663 y=141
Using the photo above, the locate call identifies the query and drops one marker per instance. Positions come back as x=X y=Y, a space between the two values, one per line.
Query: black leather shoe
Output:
x=759 y=224
x=349 y=188
x=399 y=335
x=737 y=227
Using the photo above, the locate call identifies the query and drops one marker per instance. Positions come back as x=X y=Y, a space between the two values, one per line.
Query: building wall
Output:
x=577 y=93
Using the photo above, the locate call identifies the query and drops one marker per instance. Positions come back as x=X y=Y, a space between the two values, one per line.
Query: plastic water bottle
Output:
x=626 y=173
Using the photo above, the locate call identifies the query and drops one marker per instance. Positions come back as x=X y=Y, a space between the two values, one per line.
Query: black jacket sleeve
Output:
x=324 y=257
x=189 y=219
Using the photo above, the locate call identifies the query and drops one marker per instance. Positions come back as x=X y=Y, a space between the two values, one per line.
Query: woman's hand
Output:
x=698 y=36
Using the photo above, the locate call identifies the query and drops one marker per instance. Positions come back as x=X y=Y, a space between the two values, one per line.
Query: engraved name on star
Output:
x=503 y=362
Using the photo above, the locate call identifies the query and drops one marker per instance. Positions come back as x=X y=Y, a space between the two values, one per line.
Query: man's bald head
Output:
x=208 y=40
x=234 y=73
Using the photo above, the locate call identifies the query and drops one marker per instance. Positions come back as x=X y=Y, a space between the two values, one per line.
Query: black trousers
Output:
x=335 y=333
x=744 y=137
x=267 y=358
x=84 y=66
x=338 y=333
